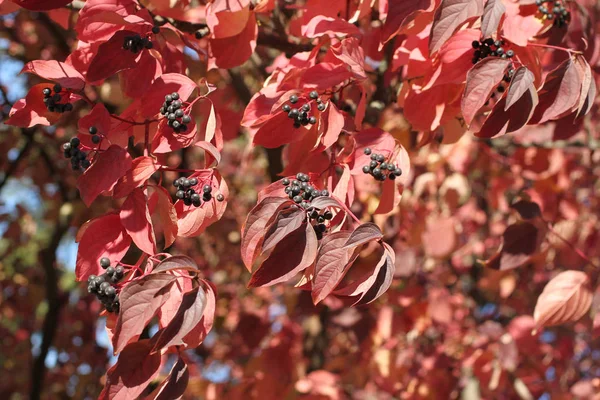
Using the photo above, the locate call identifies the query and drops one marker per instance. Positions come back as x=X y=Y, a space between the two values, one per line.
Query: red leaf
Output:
x=254 y=229
x=520 y=241
x=140 y=300
x=41 y=5
x=226 y=19
x=275 y=132
x=333 y=27
x=93 y=237
x=333 y=124
x=164 y=85
x=368 y=232
x=492 y=15
x=198 y=334
x=134 y=370
x=522 y=82
x=325 y=75
x=31 y=110
x=192 y=221
x=173 y=387
x=112 y=58
x=449 y=16
x=189 y=314
x=177 y=263
x=500 y=122
x=212 y=153
x=244 y=44
x=135 y=218
x=383 y=279
x=166 y=214
x=399 y=13
x=332 y=260
x=482 y=79
x=560 y=93
x=141 y=170
x=136 y=81
x=99 y=118
x=566 y=298
x=588 y=86
x=104 y=173
x=56 y=71
x=377 y=140
x=286 y=222
x=293 y=254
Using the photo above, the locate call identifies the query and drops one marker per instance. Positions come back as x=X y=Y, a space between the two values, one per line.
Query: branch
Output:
x=47 y=259
x=12 y=167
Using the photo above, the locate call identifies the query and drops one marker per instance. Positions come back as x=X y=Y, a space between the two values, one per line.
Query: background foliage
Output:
x=483 y=224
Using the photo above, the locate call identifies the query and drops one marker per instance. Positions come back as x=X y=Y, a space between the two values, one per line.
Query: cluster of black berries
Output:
x=202 y=32
x=319 y=219
x=136 y=43
x=489 y=47
x=189 y=195
x=102 y=286
x=300 y=116
x=172 y=109
x=52 y=100
x=558 y=13
x=300 y=191
x=380 y=169
x=78 y=157
x=94 y=132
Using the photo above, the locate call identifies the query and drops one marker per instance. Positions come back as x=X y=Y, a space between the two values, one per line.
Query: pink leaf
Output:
x=560 y=93
x=286 y=222
x=482 y=79
x=293 y=254
x=492 y=15
x=331 y=264
x=102 y=176
x=449 y=16
x=140 y=300
x=164 y=85
x=399 y=14
x=134 y=370
x=112 y=58
x=254 y=229
x=141 y=170
x=566 y=298
x=188 y=315
x=522 y=82
x=176 y=263
x=244 y=44
x=334 y=27
x=365 y=233
x=93 y=238
x=56 y=71
x=520 y=241
x=165 y=214
x=135 y=218
x=173 y=387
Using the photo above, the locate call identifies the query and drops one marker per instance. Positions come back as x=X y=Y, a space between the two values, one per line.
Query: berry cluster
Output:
x=171 y=108
x=301 y=191
x=202 y=32
x=136 y=43
x=52 y=100
x=78 y=157
x=320 y=226
x=95 y=137
x=102 y=286
x=189 y=195
x=559 y=15
x=300 y=116
x=488 y=47
x=378 y=166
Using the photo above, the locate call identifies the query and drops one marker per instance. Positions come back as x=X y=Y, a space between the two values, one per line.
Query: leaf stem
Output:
x=343 y=206
x=571 y=245
x=548 y=46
